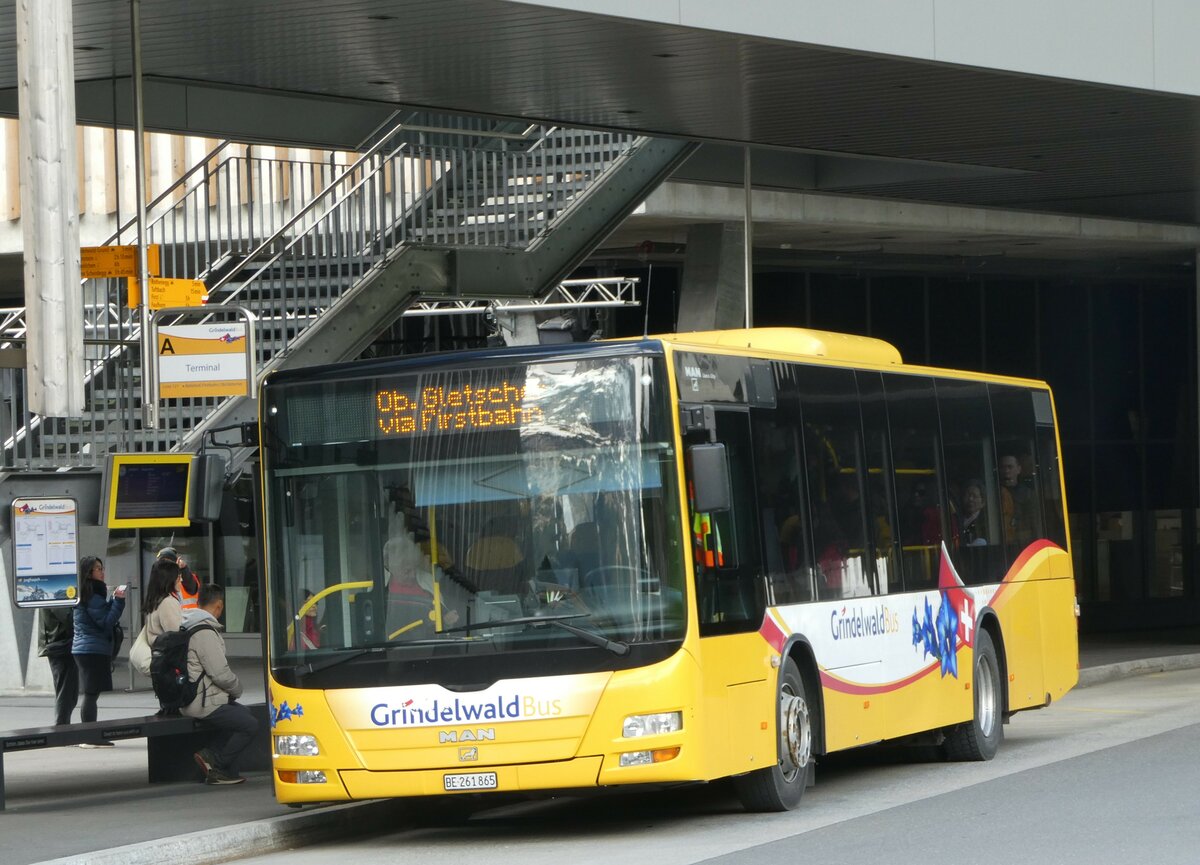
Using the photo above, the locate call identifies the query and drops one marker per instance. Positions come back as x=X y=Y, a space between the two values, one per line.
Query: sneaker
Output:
x=98 y=745
x=216 y=776
x=204 y=759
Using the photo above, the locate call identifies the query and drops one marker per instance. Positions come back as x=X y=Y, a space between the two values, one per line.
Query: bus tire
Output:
x=780 y=787
x=979 y=738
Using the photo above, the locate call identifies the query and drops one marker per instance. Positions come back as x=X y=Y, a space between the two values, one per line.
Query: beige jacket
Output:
x=207 y=664
x=167 y=616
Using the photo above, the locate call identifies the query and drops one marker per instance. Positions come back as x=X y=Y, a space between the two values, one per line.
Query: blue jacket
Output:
x=94 y=623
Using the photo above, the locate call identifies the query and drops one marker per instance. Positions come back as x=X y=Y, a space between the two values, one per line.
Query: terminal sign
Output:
x=201 y=360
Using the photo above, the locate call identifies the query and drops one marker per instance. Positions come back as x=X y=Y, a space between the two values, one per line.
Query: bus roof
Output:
x=826 y=344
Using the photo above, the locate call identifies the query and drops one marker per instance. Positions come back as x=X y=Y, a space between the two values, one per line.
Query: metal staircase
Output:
x=437 y=205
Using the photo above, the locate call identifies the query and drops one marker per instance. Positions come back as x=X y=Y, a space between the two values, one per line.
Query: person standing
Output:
x=217 y=690
x=92 y=644
x=188 y=590
x=54 y=644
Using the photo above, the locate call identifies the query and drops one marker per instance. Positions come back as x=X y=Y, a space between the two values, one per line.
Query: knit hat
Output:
x=169 y=554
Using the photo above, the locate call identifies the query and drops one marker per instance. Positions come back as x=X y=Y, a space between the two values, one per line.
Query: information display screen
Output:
x=148 y=490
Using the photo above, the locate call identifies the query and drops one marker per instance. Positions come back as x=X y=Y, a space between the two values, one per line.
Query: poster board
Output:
x=45 y=552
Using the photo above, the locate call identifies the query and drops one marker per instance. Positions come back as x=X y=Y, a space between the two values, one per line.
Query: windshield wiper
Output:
x=559 y=621
x=369 y=649
x=310 y=668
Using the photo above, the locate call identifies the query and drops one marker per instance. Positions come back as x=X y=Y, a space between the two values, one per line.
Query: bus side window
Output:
x=836 y=481
x=913 y=418
x=777 y=469
x=967 y=448
x=1020 y=491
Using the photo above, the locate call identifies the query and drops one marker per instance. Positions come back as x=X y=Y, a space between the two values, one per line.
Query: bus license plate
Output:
x=471 y=781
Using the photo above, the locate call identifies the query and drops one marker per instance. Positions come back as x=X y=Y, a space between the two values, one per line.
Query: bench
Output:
x=171 y=740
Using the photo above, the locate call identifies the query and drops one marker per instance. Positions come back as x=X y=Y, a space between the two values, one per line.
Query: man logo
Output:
x=468 y=755
x=484 y=734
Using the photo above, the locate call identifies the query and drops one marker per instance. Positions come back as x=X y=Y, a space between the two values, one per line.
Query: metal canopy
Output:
x=1030 y=143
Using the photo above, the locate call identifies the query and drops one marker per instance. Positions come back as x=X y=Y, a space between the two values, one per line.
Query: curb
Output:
x=257 y=838
x=1141 y=667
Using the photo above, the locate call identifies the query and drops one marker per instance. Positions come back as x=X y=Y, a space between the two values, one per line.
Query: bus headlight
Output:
x=296 y=746
x=652 y=725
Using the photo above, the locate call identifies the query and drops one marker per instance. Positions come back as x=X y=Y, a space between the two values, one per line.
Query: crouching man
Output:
x=217 y=690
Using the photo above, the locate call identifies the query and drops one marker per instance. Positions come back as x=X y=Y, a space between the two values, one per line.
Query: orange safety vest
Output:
x=707 y=537
x=189 y=600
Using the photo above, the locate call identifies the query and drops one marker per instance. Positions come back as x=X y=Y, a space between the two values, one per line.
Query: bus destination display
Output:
x=458 y=409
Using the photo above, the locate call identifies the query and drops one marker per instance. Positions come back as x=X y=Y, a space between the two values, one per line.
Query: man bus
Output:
x=651 y=561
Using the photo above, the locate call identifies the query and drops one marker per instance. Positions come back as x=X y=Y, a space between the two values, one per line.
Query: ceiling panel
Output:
x=1065 y=146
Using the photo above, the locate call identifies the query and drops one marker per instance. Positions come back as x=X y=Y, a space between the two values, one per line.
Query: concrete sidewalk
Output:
x=70 y=805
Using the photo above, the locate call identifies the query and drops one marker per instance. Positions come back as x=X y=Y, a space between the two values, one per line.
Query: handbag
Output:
x=118 y=639
x=139 y=653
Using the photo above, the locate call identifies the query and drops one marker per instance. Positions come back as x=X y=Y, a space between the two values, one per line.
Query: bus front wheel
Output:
x=979 y=738
x=780 y=787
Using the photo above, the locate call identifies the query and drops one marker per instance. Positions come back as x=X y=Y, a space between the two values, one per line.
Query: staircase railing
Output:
x=446 y=181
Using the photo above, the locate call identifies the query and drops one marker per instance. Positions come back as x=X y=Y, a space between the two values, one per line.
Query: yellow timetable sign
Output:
x=98 y=262
x=169 y=292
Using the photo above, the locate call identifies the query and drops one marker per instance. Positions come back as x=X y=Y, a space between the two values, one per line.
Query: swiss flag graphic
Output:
x=959 y=599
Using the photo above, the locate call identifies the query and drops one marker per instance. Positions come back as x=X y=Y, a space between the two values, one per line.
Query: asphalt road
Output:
x=1109 y=775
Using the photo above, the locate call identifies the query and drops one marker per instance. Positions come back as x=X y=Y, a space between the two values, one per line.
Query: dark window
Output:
x=730 y=596
x=833 y=456
x=955 y=323
x=975 y=539
x=898 y=315
x=881 y=499
x=1011 y=327
x=912 y=415
x=777 y=468
x=838 y=303
x=1049 y=469
x=1116 y=359
x=1020 y=498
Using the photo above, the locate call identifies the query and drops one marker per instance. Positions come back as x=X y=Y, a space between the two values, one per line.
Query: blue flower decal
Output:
x=938 y=636
x=285 y=712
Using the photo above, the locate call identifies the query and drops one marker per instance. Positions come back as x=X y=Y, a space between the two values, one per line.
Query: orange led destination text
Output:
x=464 y=408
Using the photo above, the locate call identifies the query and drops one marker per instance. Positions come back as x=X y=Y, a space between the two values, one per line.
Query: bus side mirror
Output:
x=710 y=478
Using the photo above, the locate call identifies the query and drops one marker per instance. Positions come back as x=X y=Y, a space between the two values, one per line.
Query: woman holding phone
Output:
x=95 y=616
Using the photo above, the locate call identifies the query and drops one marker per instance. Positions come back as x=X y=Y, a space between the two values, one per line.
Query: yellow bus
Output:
x=653 y=561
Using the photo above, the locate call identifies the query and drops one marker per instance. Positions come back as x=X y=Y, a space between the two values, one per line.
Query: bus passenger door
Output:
x=739 y=681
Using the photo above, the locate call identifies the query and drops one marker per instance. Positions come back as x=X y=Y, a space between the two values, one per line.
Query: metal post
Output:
x=149 y=368
x=748 y=253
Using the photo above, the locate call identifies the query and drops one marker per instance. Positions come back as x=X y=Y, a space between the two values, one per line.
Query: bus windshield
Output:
x=449 y=512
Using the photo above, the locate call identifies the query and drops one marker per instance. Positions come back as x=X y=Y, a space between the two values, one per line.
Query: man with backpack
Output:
x=216 y=689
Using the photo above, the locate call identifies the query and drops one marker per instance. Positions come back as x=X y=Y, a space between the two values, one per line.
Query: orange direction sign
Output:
x=169 y=292
x=98 y=262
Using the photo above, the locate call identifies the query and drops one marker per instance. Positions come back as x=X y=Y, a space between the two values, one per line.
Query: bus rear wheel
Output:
x=979 y=738
x=780 y=787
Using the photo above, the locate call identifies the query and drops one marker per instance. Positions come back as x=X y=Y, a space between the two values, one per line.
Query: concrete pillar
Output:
x=50 y=206
x=712 y=296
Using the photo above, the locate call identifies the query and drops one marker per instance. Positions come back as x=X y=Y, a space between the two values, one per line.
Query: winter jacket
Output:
x=167 y=616
x=56 y=631
x=94 y=622
x=208 y=665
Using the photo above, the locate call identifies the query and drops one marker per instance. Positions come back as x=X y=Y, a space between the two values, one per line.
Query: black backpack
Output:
x=168 y=667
